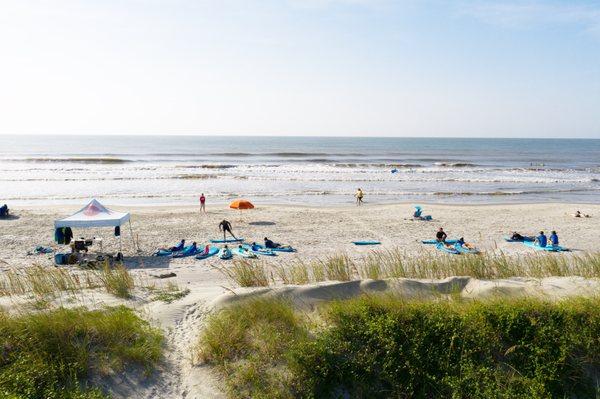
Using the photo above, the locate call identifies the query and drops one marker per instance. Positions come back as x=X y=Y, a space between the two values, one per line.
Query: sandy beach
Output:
x=316 y=232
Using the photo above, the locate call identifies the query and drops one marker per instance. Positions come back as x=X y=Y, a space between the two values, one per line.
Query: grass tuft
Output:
x=117 y=281
x=52 y=354
x=247 y=273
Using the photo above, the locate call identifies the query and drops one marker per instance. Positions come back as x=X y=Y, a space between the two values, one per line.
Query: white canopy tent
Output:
x=94 y=214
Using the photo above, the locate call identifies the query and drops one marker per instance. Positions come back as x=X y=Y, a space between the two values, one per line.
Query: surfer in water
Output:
x=359 y=197
x=225 y=227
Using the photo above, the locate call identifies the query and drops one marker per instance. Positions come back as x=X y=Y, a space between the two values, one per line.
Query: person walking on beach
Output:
x=441 y=235
x=225 y=227
x=202 y=203
x=359 y=197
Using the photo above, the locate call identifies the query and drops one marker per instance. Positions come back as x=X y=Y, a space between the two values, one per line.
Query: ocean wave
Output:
x=196 y=177
x=455 y=164
x=91 y=160
x=207 y=166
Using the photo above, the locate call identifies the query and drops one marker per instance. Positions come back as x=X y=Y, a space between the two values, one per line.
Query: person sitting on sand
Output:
x=226 y=252
x=359 y=197
x=541 y=240
x=554 y=239
x=4 y=211
x=418 y=212
x=225 y=227
x=578 y=214
x=441 y=235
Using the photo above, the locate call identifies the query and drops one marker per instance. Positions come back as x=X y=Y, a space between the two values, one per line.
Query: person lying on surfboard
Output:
x=275 y=245
x=462 y=243
x=175 y=248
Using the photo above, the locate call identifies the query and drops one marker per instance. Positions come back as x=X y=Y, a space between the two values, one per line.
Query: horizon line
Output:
x=285 y=136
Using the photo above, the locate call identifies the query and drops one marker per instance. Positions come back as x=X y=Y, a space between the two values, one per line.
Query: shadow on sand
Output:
x=262 y=223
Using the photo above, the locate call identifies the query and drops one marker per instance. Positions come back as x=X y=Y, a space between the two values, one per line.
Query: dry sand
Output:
x=315 y=232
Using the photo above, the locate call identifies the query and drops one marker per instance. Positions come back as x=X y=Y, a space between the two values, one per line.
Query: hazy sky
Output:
x=301 y=67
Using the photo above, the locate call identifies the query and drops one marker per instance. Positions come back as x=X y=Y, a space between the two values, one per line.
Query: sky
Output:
x=501 y=68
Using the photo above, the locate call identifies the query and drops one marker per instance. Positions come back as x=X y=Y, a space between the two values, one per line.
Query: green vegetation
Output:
x=247 y=273
x=395 y=263
x=169 y=293
x=249 y=343
x=384 y=347
x=117 y=281
x=50 y=355
x=45 y=281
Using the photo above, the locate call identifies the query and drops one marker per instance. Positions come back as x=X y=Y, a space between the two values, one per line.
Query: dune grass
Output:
x=248 y=342
x=117 y=281
x=169 y=293
x=396 y=264
x=53 y=354
x=44 y=281
x=248 y=273
x=386 y=347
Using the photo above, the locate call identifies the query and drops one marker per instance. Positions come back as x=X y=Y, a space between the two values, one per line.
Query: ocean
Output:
x=300 y=170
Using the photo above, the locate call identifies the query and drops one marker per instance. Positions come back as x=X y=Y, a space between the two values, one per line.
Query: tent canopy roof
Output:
x=93 y=214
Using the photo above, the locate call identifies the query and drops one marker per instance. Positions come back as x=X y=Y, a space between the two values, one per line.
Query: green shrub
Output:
x=390 y=348
x=50 y=354
x=501 y=349
x=248 y=343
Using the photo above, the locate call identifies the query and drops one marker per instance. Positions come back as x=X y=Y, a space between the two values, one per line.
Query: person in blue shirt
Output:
x=554 y=239
x=541 y=240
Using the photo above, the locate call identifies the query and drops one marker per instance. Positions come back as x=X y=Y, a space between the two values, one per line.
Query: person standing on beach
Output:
x=359 y=197
x=202 y=203
x=225 y=227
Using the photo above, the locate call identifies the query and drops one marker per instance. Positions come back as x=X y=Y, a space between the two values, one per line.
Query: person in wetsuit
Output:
x=517 y=237
x=441 y=236
x=225 y=227
x=271 y=244
x=178 y=247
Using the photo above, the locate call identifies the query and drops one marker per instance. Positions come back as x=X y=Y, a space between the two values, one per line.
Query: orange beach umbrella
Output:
x=241 y=204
